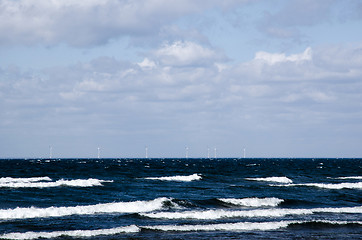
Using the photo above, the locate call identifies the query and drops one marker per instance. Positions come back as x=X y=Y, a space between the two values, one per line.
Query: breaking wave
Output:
x=117 y=207
x=352 y=177
x=218 y=214
x=75 y=233
x=253 y=202
x=5 y=180
x=45 y=182
x=239 y=226
x=188 y=178
x=272 y=179
x=357 y=185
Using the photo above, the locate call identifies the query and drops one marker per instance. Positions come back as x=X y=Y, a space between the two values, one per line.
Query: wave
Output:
x=117 y=207
x=188 y=178
x=39 y=183
x=74 y=233
x=351 y=177
x=253 y=202
x=218 y=214
x=239 y=226
x=357 y=185
x=5 y=180
x=272 y=179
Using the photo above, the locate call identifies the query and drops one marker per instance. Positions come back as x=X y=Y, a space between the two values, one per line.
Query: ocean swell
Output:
x=188 y=178
x=117 y=207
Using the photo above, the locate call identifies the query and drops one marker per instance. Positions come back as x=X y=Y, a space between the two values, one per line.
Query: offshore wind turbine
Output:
x=146 y=150
x=208 y=152
x=214 y=152
x=187 y=152
x=244 y=152
x=50 y=152
x=99 y=152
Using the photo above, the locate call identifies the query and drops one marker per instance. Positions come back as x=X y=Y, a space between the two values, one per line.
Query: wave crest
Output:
x=188 y=178
x=272 y=179
x=118 y=207
x=238 y=226
x=357 y=185
x=253 y=202
x=40 y=183
x=218 y=214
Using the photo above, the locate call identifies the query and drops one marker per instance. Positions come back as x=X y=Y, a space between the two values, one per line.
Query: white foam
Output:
x=240 y=226
x=74 y=233
x=91 y=182
x=117 y=207
x=188 y=178
x=272 y=179
x=352 y=177
x=5 y=180
x=253 y=202
x=218 y=214
x=357 y=185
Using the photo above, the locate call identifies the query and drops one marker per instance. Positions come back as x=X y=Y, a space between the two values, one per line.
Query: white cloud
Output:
x=90 y=22
x=186 y=54
x=147 y=64
x=273 y=58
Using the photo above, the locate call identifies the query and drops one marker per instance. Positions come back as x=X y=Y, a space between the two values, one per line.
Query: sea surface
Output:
x=181 y=198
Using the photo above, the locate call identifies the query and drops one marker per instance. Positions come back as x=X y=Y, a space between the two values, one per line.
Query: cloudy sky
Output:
x=280 y=78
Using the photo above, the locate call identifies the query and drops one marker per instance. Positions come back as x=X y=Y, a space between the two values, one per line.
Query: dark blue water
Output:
x=181 y=199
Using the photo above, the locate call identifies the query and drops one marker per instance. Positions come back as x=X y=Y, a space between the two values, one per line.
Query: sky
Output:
x=279 y=78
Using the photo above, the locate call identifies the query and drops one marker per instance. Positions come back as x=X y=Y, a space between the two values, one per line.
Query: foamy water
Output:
x=357 y=185
x=218 y=214
x=117 y=207
x=272 y=179
x=188 y=178
x=253 y=202
x=238 y=226
x=45 y=182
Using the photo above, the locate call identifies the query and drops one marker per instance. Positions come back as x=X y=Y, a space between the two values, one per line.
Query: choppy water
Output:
x=181 y=199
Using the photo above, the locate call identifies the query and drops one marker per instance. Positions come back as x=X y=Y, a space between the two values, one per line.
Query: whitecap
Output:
x=117 y=207
x=91 y=182
x=240 y=226
x=351 y=177
x=218 y=214
x=357 y=185
x=188 y=178
x=253 y=202
x=74 y=233
x=272 y=179
x=5 y=180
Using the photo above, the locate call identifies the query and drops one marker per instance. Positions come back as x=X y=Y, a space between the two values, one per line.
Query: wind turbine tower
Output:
x=50 y=152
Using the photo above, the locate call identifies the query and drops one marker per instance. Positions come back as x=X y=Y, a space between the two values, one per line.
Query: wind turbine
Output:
x=50 y=152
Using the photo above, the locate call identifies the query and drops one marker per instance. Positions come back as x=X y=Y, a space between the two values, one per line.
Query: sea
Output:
x=181 y=198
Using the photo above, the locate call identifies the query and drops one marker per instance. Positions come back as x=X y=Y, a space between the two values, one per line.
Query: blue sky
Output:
x=278 y=78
